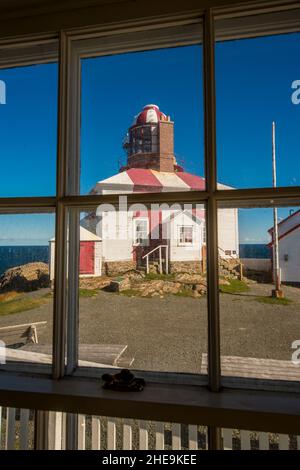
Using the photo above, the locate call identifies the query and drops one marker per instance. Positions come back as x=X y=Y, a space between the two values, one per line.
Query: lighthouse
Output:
x=112 y=242
x=150 y=141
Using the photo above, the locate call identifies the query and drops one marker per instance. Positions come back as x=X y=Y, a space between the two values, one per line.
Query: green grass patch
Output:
x=185 y=293
x=159 y=277
x=21 y=303
x=235 y=287
x=88 y=292
x=131 y=292
x=274 y=301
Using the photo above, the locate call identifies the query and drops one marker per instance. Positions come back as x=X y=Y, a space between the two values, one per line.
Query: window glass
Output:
x=185 y=234
x=26 y=288
x=28 y=130
x=259 y=293
x=258 y=83
x=142 y=305
x=142 y=131
x=141 y=231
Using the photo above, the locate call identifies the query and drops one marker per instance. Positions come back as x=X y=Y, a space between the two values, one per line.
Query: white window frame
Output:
x=184 y=243
x=145 y=241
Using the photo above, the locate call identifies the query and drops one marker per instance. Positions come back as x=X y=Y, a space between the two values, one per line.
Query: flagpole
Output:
x=277 y=292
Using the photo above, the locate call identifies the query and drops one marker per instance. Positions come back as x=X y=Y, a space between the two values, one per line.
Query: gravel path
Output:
x=170 y=334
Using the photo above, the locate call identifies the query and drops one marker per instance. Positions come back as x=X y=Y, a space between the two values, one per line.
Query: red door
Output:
x=87 y=258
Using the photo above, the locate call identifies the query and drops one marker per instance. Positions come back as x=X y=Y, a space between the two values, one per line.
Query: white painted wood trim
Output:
x=81 y=432
x=176 y=436
x=111 y=433
x=227 y=439
x=55 y=430
x=10 y=429
x=263 y=441
x=143 y=435
x=24 y=428
x=159 y=436
x=245 y=440
x=127 y=434
x=193 y=436
x=96 y=433
x=1 y=427
x=284 y=442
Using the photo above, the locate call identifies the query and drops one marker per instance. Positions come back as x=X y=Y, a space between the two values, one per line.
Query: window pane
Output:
x=260 y=317
x=26 y=299
x=142 y=306
x=142 y=122
x=28 y=123
x=257 y=83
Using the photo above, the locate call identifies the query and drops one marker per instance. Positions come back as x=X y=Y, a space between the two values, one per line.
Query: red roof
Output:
x=150 y=113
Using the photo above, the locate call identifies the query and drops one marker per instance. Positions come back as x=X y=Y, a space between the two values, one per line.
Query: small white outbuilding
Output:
x=289 y=248
x=90 y=254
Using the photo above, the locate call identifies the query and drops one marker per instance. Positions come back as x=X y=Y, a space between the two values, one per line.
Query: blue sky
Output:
x=254 y=80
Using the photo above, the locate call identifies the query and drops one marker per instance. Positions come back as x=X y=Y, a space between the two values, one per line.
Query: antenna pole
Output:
x=277 y=292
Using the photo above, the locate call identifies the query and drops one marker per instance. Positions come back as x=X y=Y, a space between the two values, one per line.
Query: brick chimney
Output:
x=150 y=141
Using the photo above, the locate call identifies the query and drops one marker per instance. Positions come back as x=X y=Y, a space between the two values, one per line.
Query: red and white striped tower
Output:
x=150 y=141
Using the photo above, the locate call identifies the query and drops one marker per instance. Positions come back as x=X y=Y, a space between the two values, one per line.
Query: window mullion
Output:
x=60 y=282
x=211 y=219
x=214 y=358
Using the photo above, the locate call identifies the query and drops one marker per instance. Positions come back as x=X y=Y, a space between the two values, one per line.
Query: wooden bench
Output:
x=26 y=333
x=257 y=368
x=91 y=354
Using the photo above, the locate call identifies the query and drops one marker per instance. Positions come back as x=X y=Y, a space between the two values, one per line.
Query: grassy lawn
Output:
x=159 y=277
x=185 y=293
x=12 y=302
x=88 y=292
x=131 y=293
x=274 y=301
x=235 y=287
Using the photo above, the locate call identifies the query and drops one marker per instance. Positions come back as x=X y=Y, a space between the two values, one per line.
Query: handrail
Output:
x=154 y=249
x=159 y=247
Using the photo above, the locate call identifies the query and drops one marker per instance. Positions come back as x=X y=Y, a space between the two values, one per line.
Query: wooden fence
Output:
x=106 y=433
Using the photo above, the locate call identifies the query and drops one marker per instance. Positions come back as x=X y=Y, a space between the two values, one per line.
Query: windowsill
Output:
x=191 y=404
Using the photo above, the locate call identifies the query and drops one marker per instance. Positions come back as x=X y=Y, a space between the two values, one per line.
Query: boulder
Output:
x=158 y=287
x=187 y=278
x=25 y=278
x=134 y=275
x=99 y=282
x=119 y=284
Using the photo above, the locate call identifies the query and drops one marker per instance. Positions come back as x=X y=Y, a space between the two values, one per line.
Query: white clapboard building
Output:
x=172 y=238
x=288 y=247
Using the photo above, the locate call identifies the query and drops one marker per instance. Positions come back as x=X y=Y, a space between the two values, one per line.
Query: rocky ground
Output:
x=136 y=283
x=169 y=332
x=26 y=278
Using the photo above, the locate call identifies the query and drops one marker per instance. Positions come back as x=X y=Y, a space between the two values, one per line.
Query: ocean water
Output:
x=255 y=251
x=11 y=256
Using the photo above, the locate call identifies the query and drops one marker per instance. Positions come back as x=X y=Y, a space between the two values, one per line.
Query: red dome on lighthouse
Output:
x=150 y=114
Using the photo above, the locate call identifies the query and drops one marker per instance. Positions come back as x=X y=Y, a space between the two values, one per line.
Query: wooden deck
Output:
x=91 y=355
x=250 y=367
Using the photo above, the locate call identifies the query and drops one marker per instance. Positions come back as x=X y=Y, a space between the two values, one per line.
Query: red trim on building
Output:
x=284 y=220
x=284 y=234
x=193 y=181
x=144 y=179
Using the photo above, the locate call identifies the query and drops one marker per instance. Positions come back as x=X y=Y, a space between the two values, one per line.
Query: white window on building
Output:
x=141 y=231
x=186 y=235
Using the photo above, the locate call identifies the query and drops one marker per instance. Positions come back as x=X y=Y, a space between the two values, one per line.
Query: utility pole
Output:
x=277 y=292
